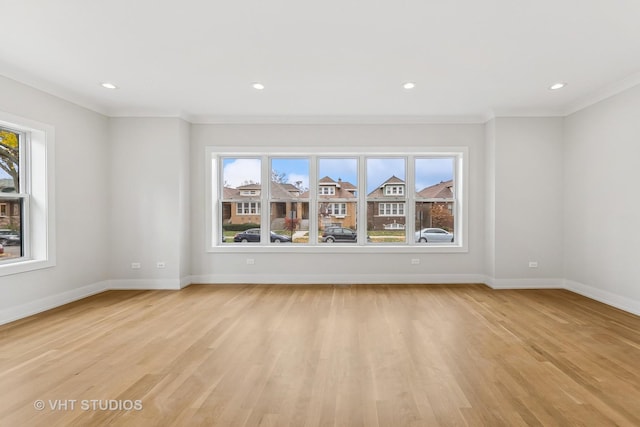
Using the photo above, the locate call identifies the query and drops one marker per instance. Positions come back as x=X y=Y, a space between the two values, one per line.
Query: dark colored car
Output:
x=253 y=235
x=339 y=234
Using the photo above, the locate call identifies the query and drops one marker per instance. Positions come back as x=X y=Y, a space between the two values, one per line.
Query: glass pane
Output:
x=289 y=222
x=289 y=206
x=435 y=222
x=337 y=200
x=241 y=207
x=9 y=161
x=386 y=204
x=10 y=229
x=434 y=178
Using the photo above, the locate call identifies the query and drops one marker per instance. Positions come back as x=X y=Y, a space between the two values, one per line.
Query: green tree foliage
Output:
x=10 y=155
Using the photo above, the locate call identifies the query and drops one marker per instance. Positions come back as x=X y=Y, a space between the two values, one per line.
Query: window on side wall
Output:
x=27 y=239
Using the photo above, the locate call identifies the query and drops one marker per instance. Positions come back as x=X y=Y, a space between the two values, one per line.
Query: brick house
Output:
x=242 y=205
x=432 y=212
x=386 y=206
x=337 y=203
x=9 y=208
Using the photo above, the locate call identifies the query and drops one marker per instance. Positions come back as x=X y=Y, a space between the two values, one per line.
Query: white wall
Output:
x=541 y=189
x=327 y=268
x=82 y=188
x=149 y=202
x=490 y=199
x=528 y=197
x=602 y=174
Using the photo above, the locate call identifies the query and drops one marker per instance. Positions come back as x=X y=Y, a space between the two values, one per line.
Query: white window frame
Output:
x=213 y=206
x=394 y=190
x=37 y=174
x=247 y=208
x=337 y=209
x=387 y=209
x=327 y=190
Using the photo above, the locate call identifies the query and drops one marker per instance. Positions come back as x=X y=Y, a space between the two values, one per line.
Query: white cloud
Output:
x=238 y=172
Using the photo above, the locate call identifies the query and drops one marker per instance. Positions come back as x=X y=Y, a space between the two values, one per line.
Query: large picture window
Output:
x=317 y=200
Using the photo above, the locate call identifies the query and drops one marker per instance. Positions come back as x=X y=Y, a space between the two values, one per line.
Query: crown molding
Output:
x=603 y=93
x=338 y=120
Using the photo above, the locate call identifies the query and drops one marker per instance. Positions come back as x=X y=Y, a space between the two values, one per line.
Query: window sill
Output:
x=342 y=248
x=24 y=266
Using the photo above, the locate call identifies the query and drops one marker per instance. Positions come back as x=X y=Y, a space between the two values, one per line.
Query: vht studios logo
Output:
x=88 y=405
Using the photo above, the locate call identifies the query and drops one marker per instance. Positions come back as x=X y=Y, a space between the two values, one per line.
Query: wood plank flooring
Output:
x=361 y=355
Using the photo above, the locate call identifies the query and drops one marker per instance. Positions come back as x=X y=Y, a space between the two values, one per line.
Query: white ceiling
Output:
x=333 y=58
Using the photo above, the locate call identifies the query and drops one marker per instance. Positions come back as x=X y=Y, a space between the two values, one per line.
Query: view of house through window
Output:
x=337 y=200
x=241 y=199
x=386 y=200
x=435 y=201
x=289 y=200
x=11 y=195
x=317 y=200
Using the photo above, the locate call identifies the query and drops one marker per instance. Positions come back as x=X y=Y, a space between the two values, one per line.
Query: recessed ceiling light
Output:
x=409 y=85
x=257 y=86
x=107 y=85
x=557 y=86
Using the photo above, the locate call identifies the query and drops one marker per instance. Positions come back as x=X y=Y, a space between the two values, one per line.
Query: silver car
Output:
x=432 y=235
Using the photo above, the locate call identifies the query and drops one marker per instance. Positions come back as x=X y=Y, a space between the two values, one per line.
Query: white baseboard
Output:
x=186 y=281
x=47 y=303
x=524 y=283
x=145 y=284
x=614 y=300
x=321 y=279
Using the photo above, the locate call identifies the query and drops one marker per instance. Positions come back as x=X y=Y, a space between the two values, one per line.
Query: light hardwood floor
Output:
x=365 y=355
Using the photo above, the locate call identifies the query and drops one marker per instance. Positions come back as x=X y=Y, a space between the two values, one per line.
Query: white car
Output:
x=9 y=237
x=431 y=235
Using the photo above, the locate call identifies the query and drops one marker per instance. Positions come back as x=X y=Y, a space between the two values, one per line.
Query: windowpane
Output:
x=337 y=200
x=11 y=228
x=434 y=178
x=9 y=161
x=386 y=200
x=289 y=200
x=241 y=192
x=435 y=222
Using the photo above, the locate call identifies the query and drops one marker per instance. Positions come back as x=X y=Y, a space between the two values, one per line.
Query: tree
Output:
x=10 y=156
x=279 y=177
x=291 y=224
x=441 y=216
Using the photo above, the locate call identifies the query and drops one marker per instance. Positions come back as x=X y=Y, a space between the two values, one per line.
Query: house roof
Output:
x=344 y=189
x=442 y=190
x=252 y=186
x=284 y=190
x=394 y=180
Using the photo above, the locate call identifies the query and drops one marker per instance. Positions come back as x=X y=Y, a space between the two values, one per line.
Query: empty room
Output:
x=336 y=213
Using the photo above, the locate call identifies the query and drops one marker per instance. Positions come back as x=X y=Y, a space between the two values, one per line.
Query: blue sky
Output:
x=429 y=171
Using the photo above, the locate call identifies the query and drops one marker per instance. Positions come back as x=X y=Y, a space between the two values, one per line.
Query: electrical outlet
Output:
x=533 y=264
x=160 y=264
x=251 y=261
x=415 y=261
x=135 y=265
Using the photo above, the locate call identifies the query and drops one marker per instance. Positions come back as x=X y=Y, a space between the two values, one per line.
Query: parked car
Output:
x=253 y=235
x=339 y=234
x=430 y=235
x=9 y=237
x=1 y=249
